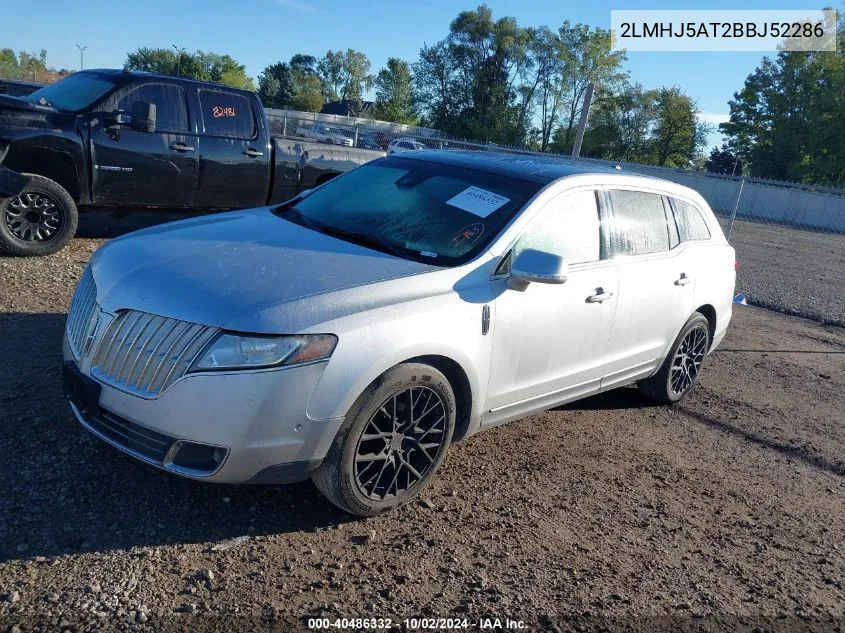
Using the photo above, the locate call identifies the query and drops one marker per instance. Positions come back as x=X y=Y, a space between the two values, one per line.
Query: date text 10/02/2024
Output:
x=418 y=624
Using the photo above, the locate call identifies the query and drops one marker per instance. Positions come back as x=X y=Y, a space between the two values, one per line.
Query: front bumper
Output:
x=256 y=419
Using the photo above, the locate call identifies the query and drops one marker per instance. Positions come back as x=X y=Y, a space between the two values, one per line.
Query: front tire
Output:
x=39 y=221
x=392 y=442
x=679 y=373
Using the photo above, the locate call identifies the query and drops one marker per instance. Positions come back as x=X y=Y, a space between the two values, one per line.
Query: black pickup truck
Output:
x=111 y=138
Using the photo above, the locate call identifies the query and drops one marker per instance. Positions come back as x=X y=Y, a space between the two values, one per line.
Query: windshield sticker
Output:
x=219 y=111
x=478 y=201
x=467 y=235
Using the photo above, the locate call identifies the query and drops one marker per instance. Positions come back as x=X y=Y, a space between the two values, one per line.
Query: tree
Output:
x=436 y=90
x=275 y=86
x=547 y=49
x=23 y=65
x=345 y=75
x=294 y=84
x=307 y=86
x=201 y=66
x=678 y=133
x=587 y=58
x=658 y=127
x=620 y=126
x=487 y=55
x=309 y=95
x=786 y=122
x=724 y=161
x=394 y=93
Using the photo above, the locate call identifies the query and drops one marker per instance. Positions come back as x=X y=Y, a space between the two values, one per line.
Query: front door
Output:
x=549 y=341
x=137 y=168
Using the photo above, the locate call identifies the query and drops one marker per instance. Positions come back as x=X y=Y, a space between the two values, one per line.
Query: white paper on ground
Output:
x=478 y=201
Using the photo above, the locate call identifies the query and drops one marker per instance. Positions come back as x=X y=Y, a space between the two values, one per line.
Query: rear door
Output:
x=234 y=169
x=656 y=284
x=549 y=341
x=147 y=168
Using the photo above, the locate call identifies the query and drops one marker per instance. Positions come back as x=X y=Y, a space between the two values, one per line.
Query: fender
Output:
x=320 y=406
x=11 y=182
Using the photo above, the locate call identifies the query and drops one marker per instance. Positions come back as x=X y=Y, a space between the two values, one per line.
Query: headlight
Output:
x=232 y=351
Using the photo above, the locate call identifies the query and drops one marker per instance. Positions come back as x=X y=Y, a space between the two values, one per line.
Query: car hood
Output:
x=17 y=112
x=236 y=270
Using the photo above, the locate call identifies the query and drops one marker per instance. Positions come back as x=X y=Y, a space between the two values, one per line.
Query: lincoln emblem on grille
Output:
x=91 y=336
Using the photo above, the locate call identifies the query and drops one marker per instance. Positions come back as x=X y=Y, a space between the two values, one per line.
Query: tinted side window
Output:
x=226 y=114
x=569 y=227
x=639 y=223
x=691 y=224
x=170 y=103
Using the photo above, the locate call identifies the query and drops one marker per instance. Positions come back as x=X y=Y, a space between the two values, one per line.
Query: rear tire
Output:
x=39 y=221
x=679 y=373
x=392 y=442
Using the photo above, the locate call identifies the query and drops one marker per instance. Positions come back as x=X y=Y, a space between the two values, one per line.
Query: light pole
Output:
x=179 y=52
x=81 y=56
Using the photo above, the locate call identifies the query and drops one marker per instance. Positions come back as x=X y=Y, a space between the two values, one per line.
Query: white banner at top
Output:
x=723 y=30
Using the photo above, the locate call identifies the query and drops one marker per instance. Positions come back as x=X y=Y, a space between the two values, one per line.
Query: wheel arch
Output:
x=709 y=313
x=327 y=402
x=459 y=381
x=55 y=166
x=325 y=178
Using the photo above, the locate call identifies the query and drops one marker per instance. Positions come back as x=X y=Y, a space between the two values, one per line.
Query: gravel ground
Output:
x=791 y=271
x=722 y=513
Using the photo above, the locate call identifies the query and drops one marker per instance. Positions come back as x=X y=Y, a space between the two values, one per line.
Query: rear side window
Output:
x=569 y=227
x=170 y=103
x=639 y=221
x=691 y=224
x=226 y=114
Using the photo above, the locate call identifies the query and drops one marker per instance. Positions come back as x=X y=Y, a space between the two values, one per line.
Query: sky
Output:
x=260 y=32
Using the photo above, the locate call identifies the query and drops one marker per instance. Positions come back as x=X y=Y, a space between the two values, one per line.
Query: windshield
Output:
x=416 y=209
x=73 y=93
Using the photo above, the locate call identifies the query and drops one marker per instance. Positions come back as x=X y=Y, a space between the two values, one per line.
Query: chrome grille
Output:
x=83 y=310
x=144 y=353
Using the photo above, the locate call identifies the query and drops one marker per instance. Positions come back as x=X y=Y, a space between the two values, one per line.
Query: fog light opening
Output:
x=201 y=457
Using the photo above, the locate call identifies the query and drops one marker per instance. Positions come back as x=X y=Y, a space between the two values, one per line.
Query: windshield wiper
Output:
x=361 y=239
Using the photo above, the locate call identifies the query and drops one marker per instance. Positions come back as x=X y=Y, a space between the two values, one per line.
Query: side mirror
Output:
x=143 y=116
x=536 y=266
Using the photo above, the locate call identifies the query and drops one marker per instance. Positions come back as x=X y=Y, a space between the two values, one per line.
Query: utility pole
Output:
x=582 y=124
x=179 y=52
x=81 y=56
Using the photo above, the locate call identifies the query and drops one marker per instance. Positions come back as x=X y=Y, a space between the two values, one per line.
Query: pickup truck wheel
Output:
x=39 y=221
x=392 y=442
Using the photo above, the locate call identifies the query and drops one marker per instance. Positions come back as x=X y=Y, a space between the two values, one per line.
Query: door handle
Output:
x=181 y=147
x=600 y=296
x=253 y=152
x=683 y=280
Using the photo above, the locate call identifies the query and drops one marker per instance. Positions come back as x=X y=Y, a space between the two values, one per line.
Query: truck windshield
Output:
x=73 y=93
x=416 y=209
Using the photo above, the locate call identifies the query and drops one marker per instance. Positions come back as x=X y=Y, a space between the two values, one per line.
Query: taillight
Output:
x=736 y=265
